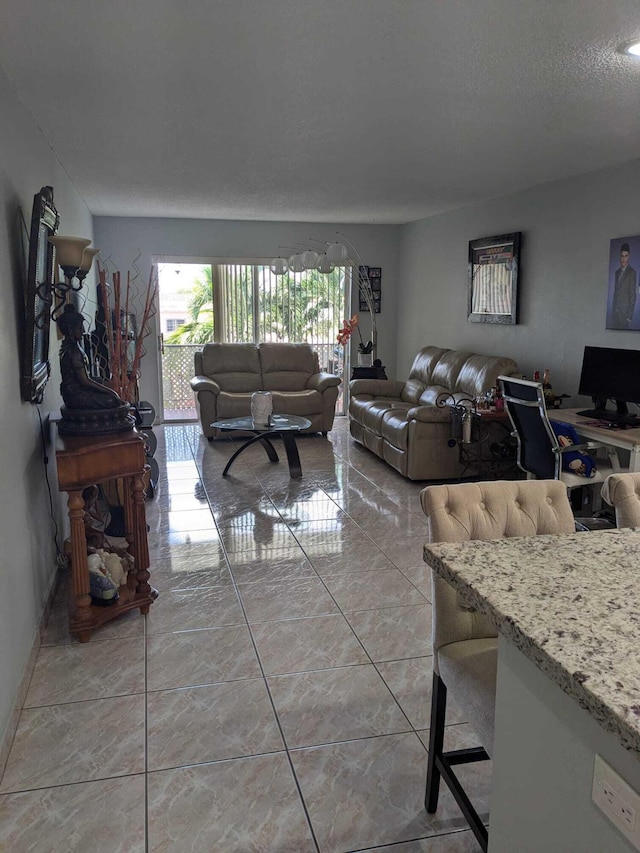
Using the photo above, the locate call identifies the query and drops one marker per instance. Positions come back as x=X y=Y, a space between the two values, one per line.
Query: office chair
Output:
x=539 y=452
x=622 y=492
x=465 y=644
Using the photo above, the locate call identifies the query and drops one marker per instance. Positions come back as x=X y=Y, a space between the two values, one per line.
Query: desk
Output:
x=83 y=461
x=567 y=612
x=624 y=439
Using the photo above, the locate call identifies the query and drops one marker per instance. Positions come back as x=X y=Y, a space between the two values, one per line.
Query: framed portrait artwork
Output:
x=623 y=304
x=494 y=268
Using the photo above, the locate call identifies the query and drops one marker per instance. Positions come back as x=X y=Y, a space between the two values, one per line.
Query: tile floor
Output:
x=275 y=699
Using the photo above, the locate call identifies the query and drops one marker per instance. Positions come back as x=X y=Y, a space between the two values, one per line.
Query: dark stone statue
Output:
x=90 y=408
x=78 y=390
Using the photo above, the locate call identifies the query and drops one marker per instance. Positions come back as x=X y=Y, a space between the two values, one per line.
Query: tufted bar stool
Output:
x=465 y=644
x=622 y=492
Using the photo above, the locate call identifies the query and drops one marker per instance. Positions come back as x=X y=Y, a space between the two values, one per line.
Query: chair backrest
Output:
x=287 y=366
x=464 y=511
x=622 y=491
x=538 y=448
x=235 y=367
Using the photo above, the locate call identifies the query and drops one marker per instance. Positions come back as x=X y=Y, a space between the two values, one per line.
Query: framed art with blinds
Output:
x=494 y=267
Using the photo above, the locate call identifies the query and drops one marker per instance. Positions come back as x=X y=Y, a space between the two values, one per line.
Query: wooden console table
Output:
x=84 y=461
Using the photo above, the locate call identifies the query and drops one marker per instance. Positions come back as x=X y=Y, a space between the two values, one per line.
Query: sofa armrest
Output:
x=429 y=414
x=203 y=383
x=377 y=387
x=322 y=381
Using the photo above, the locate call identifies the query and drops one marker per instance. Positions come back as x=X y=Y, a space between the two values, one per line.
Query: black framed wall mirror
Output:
x=35 y=368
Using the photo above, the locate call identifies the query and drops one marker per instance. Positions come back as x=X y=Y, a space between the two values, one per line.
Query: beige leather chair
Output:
x=228 y=374
x=465 y=644
x=622 y=492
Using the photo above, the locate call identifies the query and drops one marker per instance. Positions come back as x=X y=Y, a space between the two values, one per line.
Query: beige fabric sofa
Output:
x=228 y=374
x=400 y=422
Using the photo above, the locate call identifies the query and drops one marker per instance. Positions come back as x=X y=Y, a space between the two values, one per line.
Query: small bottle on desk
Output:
x=536 y=376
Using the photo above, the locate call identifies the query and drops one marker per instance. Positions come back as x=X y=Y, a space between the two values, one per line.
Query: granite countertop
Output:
x=571 y=604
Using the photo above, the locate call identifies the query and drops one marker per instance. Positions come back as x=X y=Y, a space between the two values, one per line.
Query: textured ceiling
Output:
x=323 y=110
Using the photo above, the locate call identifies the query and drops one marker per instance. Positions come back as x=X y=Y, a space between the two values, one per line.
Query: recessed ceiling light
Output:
x=632 y=48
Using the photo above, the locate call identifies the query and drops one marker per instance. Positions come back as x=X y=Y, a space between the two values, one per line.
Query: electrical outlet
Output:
x=617 y=800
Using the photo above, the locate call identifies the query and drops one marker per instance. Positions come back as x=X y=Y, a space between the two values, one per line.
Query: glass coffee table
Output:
x=279 y=426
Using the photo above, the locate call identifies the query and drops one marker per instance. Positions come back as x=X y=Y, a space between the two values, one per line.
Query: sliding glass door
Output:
x=244 y=302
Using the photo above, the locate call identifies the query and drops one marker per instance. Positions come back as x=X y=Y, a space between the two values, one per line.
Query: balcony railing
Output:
x=177 y=371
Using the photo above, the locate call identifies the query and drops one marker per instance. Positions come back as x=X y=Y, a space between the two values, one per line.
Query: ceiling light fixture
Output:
x=631 y=48
x=325 y=260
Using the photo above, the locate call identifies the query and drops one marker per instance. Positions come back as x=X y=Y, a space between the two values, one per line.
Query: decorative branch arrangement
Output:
x=120 y=334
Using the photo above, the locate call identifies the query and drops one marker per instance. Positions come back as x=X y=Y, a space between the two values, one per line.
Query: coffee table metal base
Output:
x=289 y=441
x=283 y=426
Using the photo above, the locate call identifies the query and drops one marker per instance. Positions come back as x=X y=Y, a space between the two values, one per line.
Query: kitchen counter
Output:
x=570 y=604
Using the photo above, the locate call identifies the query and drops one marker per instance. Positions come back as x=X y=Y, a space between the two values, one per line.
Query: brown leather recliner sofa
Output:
x=228 y=374
x=400 y=421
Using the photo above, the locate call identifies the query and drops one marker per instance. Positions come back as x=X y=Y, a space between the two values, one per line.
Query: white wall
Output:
x=566 y=228
x=27 y=553
x=120 y=240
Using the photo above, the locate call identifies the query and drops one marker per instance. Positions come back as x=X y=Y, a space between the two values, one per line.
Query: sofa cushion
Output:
x=235 y=367
x=287 y=367
x=431 y=394
x=447 y=370
x=371 y=416
x=479 y=373
x=395 y=426
x=297 y=402
x=233 y=405
x=424 y=363
x=413 y=388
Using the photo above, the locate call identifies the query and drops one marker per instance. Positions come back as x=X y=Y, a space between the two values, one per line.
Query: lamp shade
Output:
x=69 y=250
x=87 y=259
x=295 y=263
x=278 y=266
x=337 y=253
x=309 y=259
x=324 y=265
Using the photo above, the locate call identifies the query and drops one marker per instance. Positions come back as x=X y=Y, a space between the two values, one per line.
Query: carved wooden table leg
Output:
x=128 y=516
x=81 y=620
x=140 y=545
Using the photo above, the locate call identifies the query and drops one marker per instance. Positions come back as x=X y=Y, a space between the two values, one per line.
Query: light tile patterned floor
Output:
x=276 y=698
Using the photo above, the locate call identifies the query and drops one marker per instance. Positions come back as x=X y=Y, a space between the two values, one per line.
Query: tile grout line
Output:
x=271 y=701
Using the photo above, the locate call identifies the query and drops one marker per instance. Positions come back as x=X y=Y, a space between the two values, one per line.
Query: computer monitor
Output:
x=609 y=373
